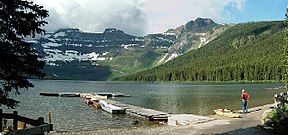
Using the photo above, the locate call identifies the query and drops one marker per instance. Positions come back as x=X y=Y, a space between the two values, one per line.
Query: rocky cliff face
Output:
x=73 y=45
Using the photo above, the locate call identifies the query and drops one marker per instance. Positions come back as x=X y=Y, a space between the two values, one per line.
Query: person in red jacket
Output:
x=245 y=98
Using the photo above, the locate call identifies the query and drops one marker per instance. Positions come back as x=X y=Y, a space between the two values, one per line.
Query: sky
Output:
x=141 y=17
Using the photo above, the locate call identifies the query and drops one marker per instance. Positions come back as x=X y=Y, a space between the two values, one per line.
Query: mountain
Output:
x=73 y=54
x=192 y=35
x=243 y=52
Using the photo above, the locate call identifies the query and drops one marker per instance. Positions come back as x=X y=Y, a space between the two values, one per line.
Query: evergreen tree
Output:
x=18 y=61
x=286 y=47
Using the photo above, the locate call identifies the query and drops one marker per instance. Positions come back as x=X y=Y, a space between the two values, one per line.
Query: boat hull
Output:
x=227 y=113
x=111 y=108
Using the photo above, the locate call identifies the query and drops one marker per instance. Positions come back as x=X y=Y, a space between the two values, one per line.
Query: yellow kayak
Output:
x=227 y=113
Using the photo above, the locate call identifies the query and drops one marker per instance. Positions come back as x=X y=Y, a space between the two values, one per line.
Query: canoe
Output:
x=96 y=104
x=88 y=101
x=84 y=95
x=98 y=97
x=111 y=108
x=92 y=98
x=227 y=113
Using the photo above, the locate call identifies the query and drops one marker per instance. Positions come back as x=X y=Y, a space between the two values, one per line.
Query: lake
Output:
x=72 y=114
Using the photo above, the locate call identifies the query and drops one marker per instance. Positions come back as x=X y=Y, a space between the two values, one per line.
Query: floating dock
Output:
x=113 y=94
x=61 y=94
x=49 y=94
x=149 y=114
x=72 y=94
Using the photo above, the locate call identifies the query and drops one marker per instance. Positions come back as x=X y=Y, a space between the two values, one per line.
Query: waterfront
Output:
x=201 y=98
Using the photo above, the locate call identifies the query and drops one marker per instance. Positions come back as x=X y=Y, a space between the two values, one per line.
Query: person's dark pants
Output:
x=244 y=106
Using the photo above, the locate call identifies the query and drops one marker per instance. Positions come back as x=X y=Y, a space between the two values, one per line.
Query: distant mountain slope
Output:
x=192 y=35
x=248 y=51
x=73 y=54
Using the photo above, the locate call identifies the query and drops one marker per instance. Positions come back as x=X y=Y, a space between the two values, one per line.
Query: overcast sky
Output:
x=139 y=17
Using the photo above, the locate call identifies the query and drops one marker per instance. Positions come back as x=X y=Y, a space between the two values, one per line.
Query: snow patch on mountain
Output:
x=167 y=57
x=51 y=44
x=173 y=55
x=163 y=58
x=94 y=56
x=129 y=45
x=54 y=55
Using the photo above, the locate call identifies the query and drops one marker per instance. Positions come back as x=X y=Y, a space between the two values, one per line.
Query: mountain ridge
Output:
x=120 y=53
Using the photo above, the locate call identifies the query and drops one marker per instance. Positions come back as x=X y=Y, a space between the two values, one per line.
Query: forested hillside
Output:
x=244 y=52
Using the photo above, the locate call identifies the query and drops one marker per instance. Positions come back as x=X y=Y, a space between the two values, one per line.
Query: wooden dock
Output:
x=149 y=114
x=113 y=94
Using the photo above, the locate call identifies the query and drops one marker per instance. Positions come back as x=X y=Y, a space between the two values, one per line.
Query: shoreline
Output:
x=249 y=124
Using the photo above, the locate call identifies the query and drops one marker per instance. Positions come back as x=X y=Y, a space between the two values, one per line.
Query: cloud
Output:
x=137 y=17
x=165 y=14
x=96 y=15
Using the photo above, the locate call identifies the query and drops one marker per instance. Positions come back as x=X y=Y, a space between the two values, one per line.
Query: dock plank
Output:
x=141 y=112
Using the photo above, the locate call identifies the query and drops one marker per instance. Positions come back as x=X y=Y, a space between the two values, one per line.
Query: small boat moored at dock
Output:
x=96 y=104
x=227 y=113
x=111 y=108
x=90 y=98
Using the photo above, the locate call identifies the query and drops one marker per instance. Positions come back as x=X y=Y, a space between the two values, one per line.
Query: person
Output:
x=245 y=98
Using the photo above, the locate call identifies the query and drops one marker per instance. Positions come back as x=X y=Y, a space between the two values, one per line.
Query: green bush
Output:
x=276 y=118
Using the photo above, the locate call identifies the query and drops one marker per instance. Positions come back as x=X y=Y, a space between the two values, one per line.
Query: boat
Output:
x=85 y=95
x=96 y=104
x=90 y=99
x=111 y=108
x=98 y=97
x=227 y=113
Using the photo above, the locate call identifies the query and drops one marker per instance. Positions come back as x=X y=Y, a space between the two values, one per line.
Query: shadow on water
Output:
x=257 y=130
x=77 y=71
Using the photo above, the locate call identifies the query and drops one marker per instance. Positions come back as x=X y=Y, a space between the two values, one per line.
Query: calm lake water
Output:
x=71 y=113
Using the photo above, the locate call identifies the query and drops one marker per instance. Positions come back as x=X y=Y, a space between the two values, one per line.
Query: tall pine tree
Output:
x=286 y=47
x=18 y=61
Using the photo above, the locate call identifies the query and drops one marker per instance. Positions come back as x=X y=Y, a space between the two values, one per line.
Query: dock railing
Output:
x=37 y=126
x=280 y=101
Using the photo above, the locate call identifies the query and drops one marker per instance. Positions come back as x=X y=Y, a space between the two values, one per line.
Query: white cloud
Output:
x=136 y=17
x=164 y=14
x=96 y=15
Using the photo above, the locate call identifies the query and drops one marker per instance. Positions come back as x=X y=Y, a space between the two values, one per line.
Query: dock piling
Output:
x=15 y=121
x=49 y=117
x=1 y=123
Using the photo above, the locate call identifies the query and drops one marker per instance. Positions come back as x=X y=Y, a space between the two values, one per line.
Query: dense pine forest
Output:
x=245 y=52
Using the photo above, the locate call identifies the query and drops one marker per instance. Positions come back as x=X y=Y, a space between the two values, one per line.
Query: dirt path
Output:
x=248 y=125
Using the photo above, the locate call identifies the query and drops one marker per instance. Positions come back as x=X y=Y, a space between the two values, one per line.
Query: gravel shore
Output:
x=249 y=124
